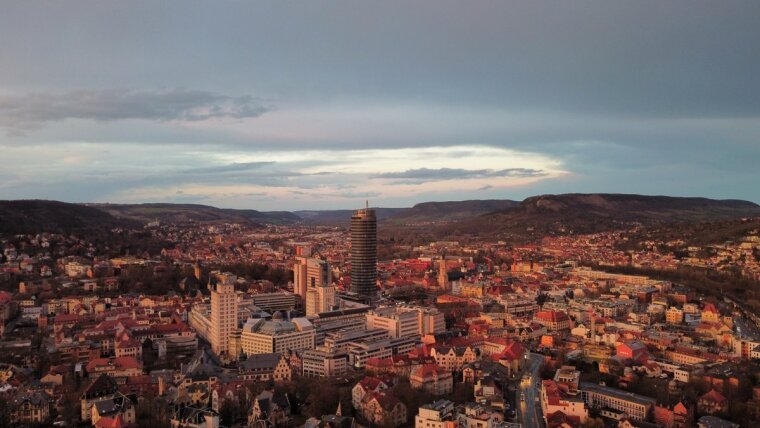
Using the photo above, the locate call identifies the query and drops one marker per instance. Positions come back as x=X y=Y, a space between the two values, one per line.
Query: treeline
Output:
x=258 y=271
x=708 y=281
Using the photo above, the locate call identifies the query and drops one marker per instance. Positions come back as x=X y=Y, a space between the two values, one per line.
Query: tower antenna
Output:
x=366 y=202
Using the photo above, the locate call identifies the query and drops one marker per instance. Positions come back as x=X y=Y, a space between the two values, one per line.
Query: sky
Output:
x=286 y=105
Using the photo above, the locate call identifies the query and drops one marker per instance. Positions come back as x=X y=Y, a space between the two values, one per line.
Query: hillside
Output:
x=179 y=213
x=422 y=213
x=589 y=213
x=697 y=233
x=341 y=217
x=436 y=212
x=530 y=219
x=33 y=216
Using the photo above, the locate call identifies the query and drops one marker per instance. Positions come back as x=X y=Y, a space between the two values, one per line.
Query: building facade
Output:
x=223 y=313
x=364 y=252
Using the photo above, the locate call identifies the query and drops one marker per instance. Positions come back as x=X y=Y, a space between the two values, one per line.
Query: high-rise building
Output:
x=320 y=293
x=300 y=280
x=319 y=300
x=317 y=273
x=223 y=312
x=312 y=280
x=443 y=275
x=364 y=252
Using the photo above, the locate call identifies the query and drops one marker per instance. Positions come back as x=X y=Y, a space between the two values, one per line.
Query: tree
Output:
x=5 y=413
x=149 y=355
x=229 y=412
x=593 y=423
x=151 y=413
x=541 y=299
x=411 y=397
x=323 y=400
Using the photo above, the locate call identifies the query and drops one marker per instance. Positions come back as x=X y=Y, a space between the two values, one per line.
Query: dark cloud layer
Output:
x=24 y=112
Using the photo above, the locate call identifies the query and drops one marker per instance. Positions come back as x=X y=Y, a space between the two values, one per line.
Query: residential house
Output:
x=433 y=379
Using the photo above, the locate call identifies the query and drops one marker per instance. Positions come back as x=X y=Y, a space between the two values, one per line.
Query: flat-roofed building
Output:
x=637 y=407
x=360 y=352
x=339 y=341
x=261 y=336
x=278 y=301
x=323 y=362
x=405 y=321
x=438 y=414
x=347 y=318
x=396 y=323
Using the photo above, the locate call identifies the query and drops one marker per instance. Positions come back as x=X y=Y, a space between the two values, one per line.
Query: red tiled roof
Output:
x=709 y=307
x=426 y=371
x=552 y=316
x=5 y=297
x=120 y=363
x=370 y=383
x=713 y=396
x=110 y=422
x=379 y=362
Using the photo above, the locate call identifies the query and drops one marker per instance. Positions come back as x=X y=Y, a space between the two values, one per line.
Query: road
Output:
x=529 y=411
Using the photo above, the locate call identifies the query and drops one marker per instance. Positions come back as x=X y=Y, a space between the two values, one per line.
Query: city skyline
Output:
x=270 y=107
x=417 y=214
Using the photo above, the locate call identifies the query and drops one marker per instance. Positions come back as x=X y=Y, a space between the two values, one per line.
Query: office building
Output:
x=299 y=277
x=320 y=293
x=340 y=340
x=364 y=253
x=348 y=319
x=359 y=352
x=637 y=407
x=320 y=299
x=260 y=336
x=223 y=312
x=324 y=362
x=406 y=321
x=276 y=301
x=397 y=323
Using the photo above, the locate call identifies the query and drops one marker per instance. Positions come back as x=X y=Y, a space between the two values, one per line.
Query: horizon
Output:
x=378 y=206
x=268 y=213
x=311 y=107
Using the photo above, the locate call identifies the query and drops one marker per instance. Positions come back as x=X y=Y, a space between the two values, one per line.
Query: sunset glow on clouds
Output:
x=286 y=178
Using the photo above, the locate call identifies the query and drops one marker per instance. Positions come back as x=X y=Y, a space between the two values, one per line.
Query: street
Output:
x=529 y=411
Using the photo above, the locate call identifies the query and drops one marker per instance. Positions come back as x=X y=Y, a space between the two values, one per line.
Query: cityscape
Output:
x=303 y=324
x=342 y=214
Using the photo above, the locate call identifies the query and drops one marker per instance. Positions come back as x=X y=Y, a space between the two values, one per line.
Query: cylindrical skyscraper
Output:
x=364 y=252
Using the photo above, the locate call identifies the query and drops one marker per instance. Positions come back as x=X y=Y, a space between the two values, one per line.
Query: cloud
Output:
x=354 y=195
x=19 y=113
x=232 y=167
x=426 y=174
